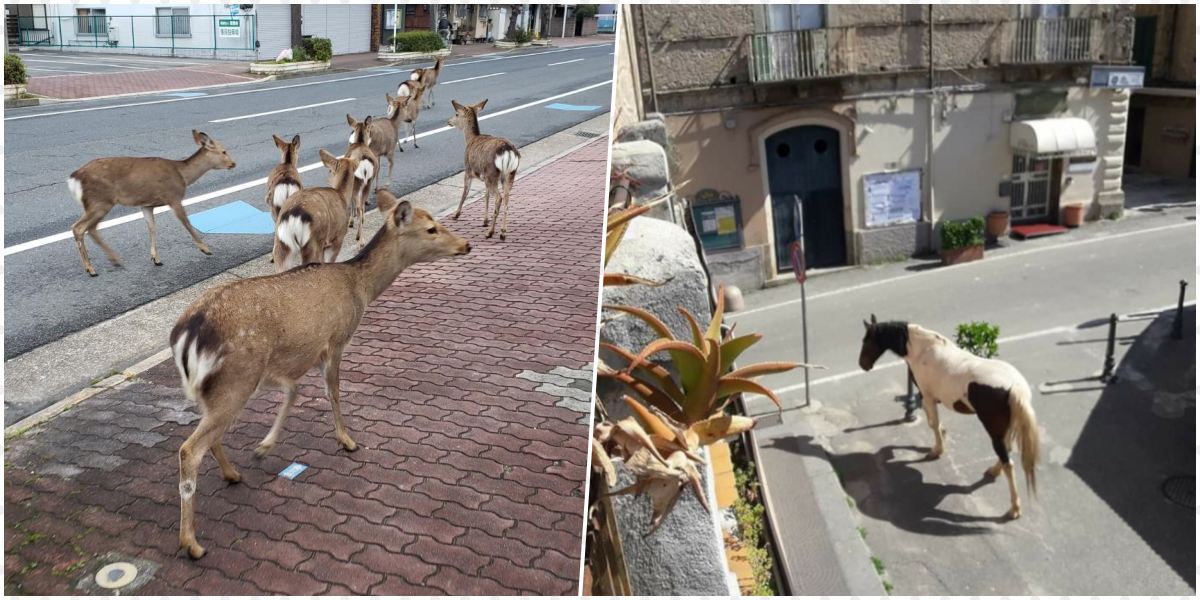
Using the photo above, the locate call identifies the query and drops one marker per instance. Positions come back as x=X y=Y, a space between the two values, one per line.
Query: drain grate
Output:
x=587 y=134
x=1181 y=489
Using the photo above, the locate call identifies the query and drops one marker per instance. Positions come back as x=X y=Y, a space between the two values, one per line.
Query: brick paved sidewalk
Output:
x=73 y=87
x=465 y=388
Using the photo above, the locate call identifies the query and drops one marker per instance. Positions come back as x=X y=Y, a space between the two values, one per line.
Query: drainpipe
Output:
x=649 y=57
x=929 y=142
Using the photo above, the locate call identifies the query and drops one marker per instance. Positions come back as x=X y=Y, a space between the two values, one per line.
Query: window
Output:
x=172 y=22
x=795 y=17
x=90 y=21
x=389 y=19
x=1045 y=11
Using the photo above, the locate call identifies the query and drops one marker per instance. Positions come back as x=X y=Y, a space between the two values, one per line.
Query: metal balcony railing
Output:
x=796 y=55
x=1047 y=41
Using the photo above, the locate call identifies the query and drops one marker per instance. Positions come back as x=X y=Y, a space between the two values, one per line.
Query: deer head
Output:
x=359 y=130
x=214 y=153
x=342 y=171
x=466 y=116
x=290 y=150
x=415 y=231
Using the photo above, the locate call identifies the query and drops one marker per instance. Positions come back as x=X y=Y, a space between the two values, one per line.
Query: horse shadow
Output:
x=892 y=489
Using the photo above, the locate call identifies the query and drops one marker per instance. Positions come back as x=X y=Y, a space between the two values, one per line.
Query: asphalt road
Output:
x=47 y=292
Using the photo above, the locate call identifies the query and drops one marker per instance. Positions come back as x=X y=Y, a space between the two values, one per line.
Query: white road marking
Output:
x=565 y=62
x=66 y=235
x=36 y=70
x=1026 y=252
x=1004 y=340
x=97 y=64
x=470 y=78
x=282 y=110
x=257 y=90
x=106 y=56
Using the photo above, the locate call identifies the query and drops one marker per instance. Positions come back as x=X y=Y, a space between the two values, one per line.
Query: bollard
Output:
x=1107 y=376
x=1177 y=326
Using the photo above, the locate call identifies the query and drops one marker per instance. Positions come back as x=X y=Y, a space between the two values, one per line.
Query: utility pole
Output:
x=564 y=27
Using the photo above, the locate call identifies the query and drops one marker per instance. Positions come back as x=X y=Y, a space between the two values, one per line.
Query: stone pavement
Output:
x=463 y=388
x=74 y=87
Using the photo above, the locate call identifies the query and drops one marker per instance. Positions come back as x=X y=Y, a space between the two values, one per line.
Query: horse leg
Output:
x=991 y=404
x=931 y=416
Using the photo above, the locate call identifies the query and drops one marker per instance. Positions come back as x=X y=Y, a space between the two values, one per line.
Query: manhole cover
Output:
x=116 y=575
x=1181 y=489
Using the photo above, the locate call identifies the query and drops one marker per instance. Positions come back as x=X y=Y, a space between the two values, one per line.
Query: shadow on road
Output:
x=1143 y=432
x=891 y=489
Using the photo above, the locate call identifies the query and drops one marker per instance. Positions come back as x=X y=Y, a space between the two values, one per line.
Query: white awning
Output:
x=1054 y=137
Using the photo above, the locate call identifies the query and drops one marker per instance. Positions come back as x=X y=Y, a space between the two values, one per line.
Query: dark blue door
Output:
x=805 y=162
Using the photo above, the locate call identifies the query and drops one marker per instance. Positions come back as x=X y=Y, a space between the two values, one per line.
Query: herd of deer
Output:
x=270 y=330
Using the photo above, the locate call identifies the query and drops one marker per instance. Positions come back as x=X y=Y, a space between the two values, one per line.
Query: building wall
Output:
x=627 y=105
x=1168 y=134
x=136 y=31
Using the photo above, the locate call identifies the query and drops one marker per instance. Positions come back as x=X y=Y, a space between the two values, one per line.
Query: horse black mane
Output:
x=891 y=335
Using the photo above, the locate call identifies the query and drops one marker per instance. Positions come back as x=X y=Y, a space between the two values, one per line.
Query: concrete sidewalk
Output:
x=466 y=386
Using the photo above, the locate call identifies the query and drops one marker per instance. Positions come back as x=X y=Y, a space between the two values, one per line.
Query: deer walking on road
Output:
x=271 y=330
x=490 y=158
x=427 y=77
x=147 y=182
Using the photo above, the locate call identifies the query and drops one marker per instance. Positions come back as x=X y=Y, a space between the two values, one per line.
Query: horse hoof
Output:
x=158 y=263
x=1013 y=514
x=933 y=456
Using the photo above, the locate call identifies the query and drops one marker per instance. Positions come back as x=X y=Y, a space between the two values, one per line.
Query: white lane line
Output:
x=993 y=259
x=36 y=70
x=267 y=89
x=96 y=64
x=1004 y=340
x=66 y=235
x=470 y=78
x=565 y=62
x=282 y=110
x=114 y=57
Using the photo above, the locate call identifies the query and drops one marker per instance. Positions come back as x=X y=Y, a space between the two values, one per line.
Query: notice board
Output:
x=893 y=197
x=718 y=219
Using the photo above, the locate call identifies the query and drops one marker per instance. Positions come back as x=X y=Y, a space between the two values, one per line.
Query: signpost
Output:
x=800 y=269
x=229 y=28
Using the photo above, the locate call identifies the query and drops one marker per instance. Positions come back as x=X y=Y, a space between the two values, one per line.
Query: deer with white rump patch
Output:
x=490 y=158
x=382 y=134
x=368 y=170
x=409 y=96
x=272 y=329
x=147 y=182
x=284 y=179
x=312 y=222
x=427 y=77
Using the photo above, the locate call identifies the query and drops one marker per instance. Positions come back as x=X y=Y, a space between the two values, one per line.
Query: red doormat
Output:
x=1026 y=232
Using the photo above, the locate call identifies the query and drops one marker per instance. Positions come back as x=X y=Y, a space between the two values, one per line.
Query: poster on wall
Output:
x=892 y=198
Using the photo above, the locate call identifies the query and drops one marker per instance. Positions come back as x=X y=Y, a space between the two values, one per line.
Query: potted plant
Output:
x=14 y=76
x=997 y=223
x=962 y=241
x=1072 y=215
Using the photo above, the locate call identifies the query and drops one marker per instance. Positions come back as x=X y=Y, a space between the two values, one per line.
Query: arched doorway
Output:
x=805 y=162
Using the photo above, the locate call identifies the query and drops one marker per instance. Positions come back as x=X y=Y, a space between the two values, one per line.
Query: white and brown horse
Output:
x=991 y=389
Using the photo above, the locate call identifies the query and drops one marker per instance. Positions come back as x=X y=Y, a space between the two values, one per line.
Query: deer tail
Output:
x=197 y=352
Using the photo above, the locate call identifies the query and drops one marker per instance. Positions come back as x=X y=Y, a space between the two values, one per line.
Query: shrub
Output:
x=298 y=54
x=520 y=36
x=14 y=70
x=962 y=234
x=417 y=41
x=978 y=338
x=583 y=11
x=319 y=49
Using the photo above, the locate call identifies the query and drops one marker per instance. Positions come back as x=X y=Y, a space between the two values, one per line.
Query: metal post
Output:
x=172 y=34
x=1107 y=375
x=1177 y=328
x=564 y=28
x=60 y=37
x=803 y=301
x=132 y=33
x=214 y=17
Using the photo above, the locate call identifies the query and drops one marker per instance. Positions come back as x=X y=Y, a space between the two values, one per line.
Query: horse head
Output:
x=881 y=337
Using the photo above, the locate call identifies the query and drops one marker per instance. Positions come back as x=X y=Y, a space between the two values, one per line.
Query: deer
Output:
x=284 y=179
x=360 y=149
x=382 y=133
x=427 y=76
x=273 y=329
x=147 y=182
x=408 y=111
x=312 y=222
x=490 y=158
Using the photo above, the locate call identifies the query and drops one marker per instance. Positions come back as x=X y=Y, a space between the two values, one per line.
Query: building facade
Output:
x=1162 y=114
x=839 y=111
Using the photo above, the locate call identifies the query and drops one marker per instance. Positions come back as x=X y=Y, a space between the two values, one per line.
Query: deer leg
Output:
x=289 y=398
x=181 y=214
x=391 y=164
x=212 y=426
x=228 y=471
x=85 y=223
x=931 y=415
x=487 y=197
x=112 y=256
x=412 y=127
x=331 y=368
x=362 y=200
x=466 y=190
x=507 y=196
x=148 y=214
x=496 y=214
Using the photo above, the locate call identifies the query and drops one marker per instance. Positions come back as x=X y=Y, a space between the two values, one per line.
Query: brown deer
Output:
x=284 y=179
x=409 y=109
x=382 y=133
x=368 y=169
x=273 y=329
x=147 y=182
x=312 y=222
x=427 y=76
x=492 y=159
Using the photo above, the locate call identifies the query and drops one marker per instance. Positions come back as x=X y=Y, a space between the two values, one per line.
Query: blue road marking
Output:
x=293 y=470
x=575 y=107
x=235 y=217
x=186 y=94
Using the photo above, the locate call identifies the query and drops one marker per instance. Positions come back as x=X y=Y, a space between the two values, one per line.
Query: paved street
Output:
x=465 y=387
x=73 y=75
x=48 y=295
x=1101 y=524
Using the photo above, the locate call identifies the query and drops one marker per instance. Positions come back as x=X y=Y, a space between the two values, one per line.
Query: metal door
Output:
x=805 y=162
x=1030 y=200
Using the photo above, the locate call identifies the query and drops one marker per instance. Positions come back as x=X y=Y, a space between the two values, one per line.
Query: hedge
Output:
x=962 y=234
x=318 y=49
x=417 y=41
x=14 y=70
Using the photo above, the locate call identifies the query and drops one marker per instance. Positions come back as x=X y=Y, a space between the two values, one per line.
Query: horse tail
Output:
x=1025 y=430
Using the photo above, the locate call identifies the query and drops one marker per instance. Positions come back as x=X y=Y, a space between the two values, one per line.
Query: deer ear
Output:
x=282 y=145
x=404 y=213
x=479 y=106
x=385 y=199
x=329 y=159
x=873 y=318
x=457 y=106
x=350 y=120
x=296 y=141
x=201 y=138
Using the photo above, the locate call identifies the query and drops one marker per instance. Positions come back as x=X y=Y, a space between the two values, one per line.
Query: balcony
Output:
x=1050 y=41
x=798 y=55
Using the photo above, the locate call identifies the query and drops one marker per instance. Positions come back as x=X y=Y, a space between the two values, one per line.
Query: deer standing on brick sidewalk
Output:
x=147 y=182
x=409 y=110
x=427 y=77
x=360 y=149
x=284 y=179
x=273 y=329
x=312 y=222
x=490 y=158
